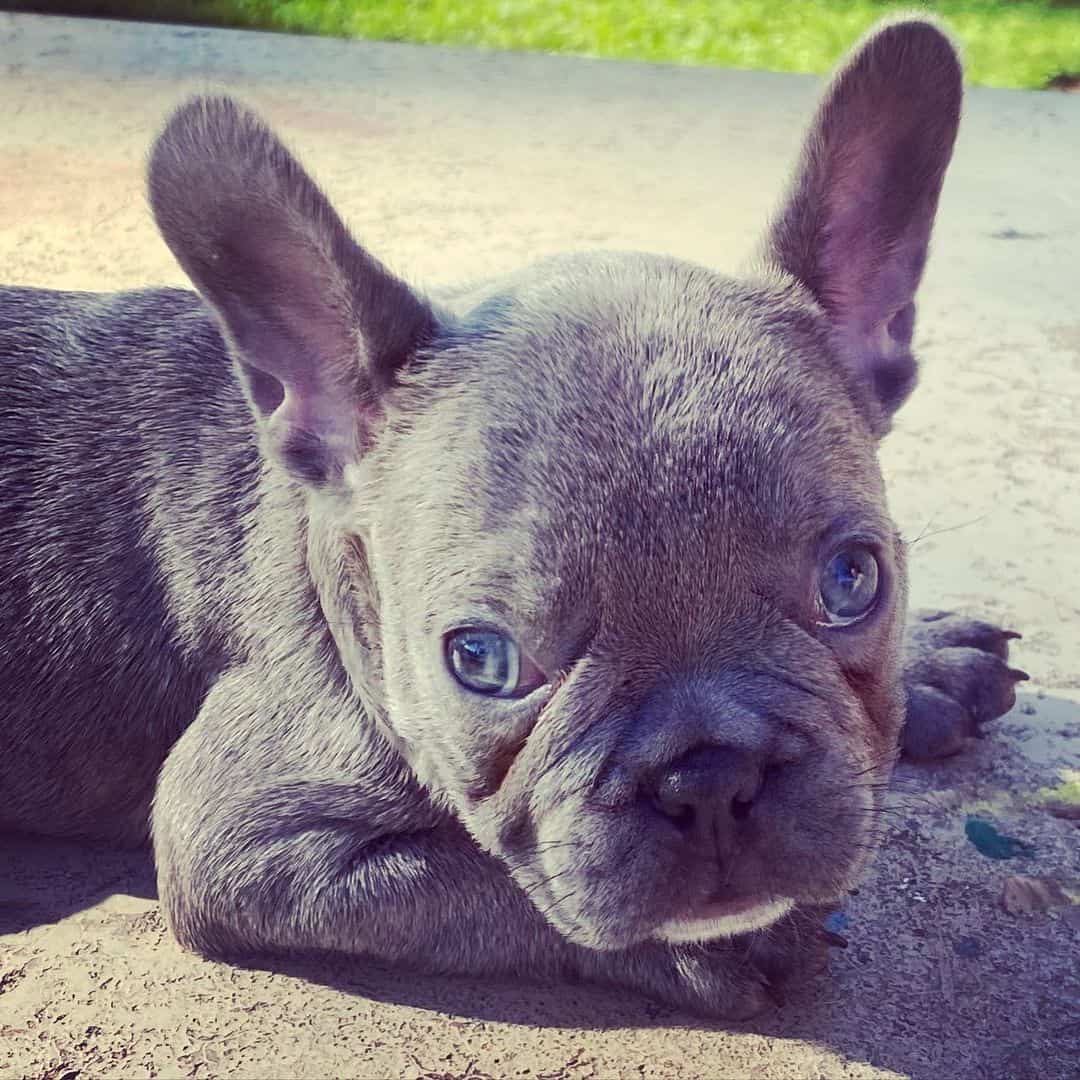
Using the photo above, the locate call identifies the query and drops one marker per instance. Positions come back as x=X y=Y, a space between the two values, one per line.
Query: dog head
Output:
x=638 y=596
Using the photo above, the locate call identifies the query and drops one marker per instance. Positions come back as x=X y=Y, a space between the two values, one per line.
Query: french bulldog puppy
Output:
x=552 y=627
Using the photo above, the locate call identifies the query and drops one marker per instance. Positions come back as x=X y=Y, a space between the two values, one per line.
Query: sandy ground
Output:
x=448 y=164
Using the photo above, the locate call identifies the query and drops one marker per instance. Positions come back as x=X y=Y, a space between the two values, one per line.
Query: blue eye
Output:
x=487 y=662
x=849 y=584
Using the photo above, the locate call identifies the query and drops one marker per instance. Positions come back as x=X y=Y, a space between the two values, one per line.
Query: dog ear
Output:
x=317 y=326
x=854 y=227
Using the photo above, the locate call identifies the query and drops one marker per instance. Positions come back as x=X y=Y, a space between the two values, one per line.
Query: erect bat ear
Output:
x=317 y=326
x=854 y=227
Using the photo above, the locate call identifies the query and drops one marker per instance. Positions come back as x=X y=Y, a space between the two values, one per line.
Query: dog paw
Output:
x=793 y=951
x=957 y=677
x=713 y=979
x=733 y=979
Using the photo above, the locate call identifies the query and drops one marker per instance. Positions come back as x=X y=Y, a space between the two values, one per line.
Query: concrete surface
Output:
x=450 y=163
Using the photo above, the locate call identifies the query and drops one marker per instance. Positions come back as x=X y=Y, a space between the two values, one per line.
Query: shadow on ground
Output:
x=43 y=881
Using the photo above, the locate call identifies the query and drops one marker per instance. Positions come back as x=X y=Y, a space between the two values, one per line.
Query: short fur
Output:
x=238 y=526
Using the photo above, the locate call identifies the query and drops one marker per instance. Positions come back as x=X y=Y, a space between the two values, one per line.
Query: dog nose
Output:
x=708 y=792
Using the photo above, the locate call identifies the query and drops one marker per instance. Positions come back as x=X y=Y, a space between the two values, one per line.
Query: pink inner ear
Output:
x=317 y=326
x=865 y=274
x=332 y=419
x=857 y=221
x=315 y=435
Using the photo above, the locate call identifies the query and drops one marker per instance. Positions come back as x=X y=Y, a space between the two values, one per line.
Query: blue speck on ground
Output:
x=967 y=947
x=991 y=843
x=837 y=922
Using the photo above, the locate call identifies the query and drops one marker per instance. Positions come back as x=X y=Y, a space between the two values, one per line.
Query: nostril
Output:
x=708 y=789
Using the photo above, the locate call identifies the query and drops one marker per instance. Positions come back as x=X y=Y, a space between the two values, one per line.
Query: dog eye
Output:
x=849 y=585
x=487 y=662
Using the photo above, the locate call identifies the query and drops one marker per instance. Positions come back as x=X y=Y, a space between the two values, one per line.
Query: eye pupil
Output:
x=847 y=572
x=849 y=584
x=475 y=650
x=484 y=661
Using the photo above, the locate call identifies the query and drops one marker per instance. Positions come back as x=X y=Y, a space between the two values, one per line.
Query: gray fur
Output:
x=237 y=527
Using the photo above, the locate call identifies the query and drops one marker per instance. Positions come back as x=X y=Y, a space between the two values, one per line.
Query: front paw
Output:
x=956 y=677
x=731 y=979
x=713 y=979
x=792 y=951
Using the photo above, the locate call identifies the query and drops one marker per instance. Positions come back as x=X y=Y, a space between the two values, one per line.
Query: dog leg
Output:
x=274 y=836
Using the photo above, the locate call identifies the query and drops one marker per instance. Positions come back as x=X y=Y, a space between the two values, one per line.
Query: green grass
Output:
x=1017 y=43
x=1067 y=792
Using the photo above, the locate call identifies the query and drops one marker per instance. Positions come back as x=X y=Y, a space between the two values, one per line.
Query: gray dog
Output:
x=552 y=627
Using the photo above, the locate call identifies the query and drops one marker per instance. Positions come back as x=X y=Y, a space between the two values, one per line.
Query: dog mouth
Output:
x=724 y=918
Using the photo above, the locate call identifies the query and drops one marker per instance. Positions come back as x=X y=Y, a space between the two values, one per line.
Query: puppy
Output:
x=551 y=627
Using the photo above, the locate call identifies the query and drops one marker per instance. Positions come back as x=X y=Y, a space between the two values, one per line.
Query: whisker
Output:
x=550 y=845
x=545 y=881
x=924 y=535
x=561 y=899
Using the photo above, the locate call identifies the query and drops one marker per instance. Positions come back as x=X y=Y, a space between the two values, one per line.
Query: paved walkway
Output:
x=450 y=163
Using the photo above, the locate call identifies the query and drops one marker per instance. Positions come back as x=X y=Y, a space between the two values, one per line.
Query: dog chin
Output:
x=725 y=920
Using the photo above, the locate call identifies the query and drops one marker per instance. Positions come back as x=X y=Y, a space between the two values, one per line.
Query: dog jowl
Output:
x=553 y=626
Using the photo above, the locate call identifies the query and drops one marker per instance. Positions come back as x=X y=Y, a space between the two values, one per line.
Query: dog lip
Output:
x=719 y=909
x=724 y=918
